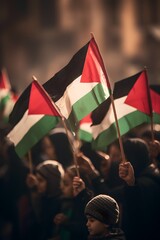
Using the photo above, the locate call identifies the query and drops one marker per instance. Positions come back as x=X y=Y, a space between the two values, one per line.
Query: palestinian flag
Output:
x=155 y=98
x=8 y=107
x=77 y=89
x=132 y=108
x=7 y=97
x=4 y=89
x=80 y=86
x=38 y=119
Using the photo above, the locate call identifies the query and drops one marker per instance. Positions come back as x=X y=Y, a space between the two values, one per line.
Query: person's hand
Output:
x=31 y=180
x=60 y=218
x=154 y=149
x=126 y=172
x=86 y=164
x=78 y=185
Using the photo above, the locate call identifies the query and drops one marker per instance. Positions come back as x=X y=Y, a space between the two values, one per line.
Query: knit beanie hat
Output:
x=53 y=172
x=103 y=208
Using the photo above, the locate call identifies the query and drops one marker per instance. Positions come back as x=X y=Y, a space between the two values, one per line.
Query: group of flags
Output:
x=133 y=106
x=7 y=97
x=81 y=94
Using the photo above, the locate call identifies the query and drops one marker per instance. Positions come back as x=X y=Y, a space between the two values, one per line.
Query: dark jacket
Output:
x=140 y=204
x=43 y=227
x=141 y=207
x=75 y=227
x=115 y=234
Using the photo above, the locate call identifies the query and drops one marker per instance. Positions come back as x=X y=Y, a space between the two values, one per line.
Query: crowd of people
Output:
x=87 y=194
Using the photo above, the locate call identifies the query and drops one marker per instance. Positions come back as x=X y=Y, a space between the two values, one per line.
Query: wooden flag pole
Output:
x=116 y=120
x=30 y=162
x=118 y=130
x=74 y=148
x=150 y=104
x=152 y=128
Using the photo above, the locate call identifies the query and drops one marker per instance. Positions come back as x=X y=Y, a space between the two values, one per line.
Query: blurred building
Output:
x=39 y=37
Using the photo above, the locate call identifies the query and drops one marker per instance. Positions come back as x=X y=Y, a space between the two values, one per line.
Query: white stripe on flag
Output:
x=3 y=93
x=86 y=127
x=74 y=92
x=23 y=126
x=122 y=110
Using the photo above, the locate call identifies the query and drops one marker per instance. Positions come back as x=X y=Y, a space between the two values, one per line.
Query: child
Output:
x=46 y=204
x=102 y=213
x=71 y=220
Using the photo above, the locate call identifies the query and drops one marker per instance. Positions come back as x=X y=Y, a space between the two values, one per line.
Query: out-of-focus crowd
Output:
x=45 y=196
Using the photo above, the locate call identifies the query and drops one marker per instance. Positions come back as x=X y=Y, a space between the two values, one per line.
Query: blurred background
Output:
x=39 y=37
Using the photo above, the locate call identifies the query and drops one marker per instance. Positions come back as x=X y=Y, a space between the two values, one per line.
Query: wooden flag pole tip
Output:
x=34 y=78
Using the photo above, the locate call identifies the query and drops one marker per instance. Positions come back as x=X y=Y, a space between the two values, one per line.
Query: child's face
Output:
x=105 y=167
x=41 y=183
x=67 y=186
x=48 y=148
x=114 y=153
x=95 y=227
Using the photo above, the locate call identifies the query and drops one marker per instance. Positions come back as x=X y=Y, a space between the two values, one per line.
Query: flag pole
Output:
x=115 y=115
x=30 y=162
x=118 y=130
x=74 y=149
x=152 y=128
x=150 y=104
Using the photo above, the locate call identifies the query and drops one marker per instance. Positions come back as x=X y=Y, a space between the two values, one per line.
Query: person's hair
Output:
x=62 y=148
x=53 y=172
x=93 y=155
x=148 y=134
x=115 y=143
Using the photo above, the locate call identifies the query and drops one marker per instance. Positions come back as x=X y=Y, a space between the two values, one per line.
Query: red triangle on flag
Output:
x=139 y=95
x=155 y=98
x=86 y=119
x=4 y=82
x=39 y=102
x=94 y=70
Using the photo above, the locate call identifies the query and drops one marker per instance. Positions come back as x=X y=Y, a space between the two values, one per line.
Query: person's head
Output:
x=43 y=150
x=147 y=135
x=62 y=148
x=48 y=149
x=113 y=150
x=105 y=164
x=137 y=153
x=102 y=213
x=49 y=175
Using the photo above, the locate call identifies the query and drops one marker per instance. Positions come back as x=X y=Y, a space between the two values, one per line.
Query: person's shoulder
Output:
x=116 y=234
x=150 y=176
